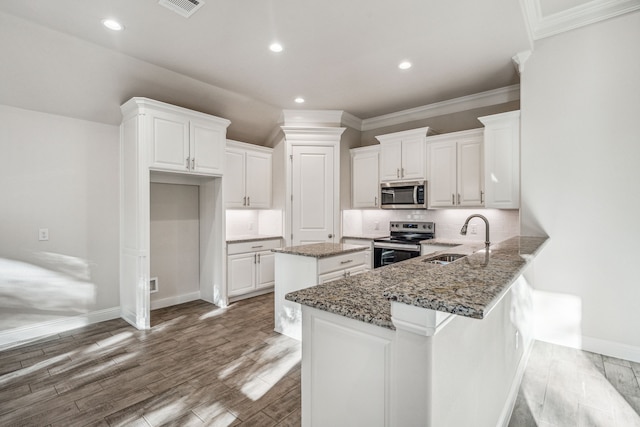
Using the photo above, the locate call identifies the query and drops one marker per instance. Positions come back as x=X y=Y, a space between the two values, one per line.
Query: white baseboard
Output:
x=597 y=345
x=507 y=409
x=25 y=334
x=178 y=299
x=611 y=348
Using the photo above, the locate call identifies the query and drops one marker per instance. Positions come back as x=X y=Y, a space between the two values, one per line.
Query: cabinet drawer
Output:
x=255 y=246
x=340 y=262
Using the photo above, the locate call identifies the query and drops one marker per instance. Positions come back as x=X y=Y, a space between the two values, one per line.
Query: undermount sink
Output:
x=443 y=259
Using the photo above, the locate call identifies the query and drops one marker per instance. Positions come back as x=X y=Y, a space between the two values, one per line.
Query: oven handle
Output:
x=399 y=246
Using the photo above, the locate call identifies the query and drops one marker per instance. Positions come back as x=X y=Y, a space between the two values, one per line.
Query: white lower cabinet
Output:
x=250 y=267
x=368 y=254
x=341 y=274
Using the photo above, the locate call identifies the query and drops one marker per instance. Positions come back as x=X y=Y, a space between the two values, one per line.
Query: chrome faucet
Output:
x=463 y=230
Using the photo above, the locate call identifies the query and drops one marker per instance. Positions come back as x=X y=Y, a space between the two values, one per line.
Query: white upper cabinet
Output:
x=182 y=140
x=365 y=182
x=456 y=169
x=248 y=175
x=502 y=160
x=403 y=155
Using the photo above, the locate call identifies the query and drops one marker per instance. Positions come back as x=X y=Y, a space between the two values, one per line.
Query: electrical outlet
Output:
x=43 y=234
x=473 y=229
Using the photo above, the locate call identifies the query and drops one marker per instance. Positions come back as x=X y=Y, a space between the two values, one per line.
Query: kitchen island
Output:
x=416 y=343
x=298 y=267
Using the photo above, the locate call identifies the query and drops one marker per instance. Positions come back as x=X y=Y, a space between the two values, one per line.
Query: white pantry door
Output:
x=312 y=190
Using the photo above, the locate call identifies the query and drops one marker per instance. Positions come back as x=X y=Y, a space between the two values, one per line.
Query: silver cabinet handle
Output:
x=346 y=262
x=193 y=163
x=401 y=172
x=258 y=258
x=375 y=201
x=458 y=198
x=481 y=196
x=188 y=160
x=257 y=247
x=255 y=258
x=248 y=201
x=244 y=201
x=453 y=199
x=398 y=173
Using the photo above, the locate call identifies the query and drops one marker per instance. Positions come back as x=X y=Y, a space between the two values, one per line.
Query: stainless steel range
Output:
x=404 y=242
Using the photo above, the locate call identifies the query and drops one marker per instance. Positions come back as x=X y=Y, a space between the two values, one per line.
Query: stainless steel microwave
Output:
x=403 y=195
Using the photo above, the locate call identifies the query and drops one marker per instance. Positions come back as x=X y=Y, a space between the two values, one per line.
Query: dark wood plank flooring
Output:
x=198 y=365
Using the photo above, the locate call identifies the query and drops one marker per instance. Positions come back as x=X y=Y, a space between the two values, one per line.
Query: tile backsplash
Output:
x=503 y=223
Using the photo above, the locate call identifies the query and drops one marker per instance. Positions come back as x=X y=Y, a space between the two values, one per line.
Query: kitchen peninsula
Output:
x=419 y=344
x=298 y=267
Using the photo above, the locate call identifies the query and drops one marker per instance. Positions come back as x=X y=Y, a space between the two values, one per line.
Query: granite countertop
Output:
x=251 y=238
x=469 y=287
x=321 y=250
x=445 y=242
x=366 y=236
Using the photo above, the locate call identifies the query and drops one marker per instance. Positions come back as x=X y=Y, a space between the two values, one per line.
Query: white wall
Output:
x=62 y=174
x=175 y=243
x=580 y=172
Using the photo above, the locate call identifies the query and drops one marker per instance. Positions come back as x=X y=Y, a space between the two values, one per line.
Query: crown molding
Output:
x=541 y=26
x=456 y=105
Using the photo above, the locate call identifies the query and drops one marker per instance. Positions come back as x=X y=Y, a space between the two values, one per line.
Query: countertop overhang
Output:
x=469 y=287
x=320 y=250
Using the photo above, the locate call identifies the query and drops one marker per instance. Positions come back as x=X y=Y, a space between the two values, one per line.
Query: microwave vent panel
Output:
x=185 y=8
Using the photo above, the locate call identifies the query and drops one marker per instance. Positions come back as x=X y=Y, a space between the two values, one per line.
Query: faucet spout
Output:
x=463 y=230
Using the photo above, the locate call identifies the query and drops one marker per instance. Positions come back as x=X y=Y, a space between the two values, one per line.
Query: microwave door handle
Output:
x=415 y=194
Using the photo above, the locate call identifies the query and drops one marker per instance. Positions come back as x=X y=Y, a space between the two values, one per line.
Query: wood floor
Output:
x=202 y=365
x=198 y=365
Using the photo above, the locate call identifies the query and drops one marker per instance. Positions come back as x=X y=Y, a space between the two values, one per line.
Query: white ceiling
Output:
x=339 y=55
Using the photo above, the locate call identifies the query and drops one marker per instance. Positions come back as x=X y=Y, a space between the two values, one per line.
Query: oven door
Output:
x=385 y=253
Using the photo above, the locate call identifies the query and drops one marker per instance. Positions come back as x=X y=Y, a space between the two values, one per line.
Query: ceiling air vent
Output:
x=185 y=8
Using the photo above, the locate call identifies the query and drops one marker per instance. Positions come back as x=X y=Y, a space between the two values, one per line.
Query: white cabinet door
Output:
x=413 y=158
x=365 y=183
x=169 y=141
x=354 y=271
x=331 y=276
x=442 y=170
x=206 y=148
x=313 y=194
x=240 y=273
x=470 y=173
x=390 y=160
x=233 y=178
x=258 y=179
x=265 y=272
x=502 y=160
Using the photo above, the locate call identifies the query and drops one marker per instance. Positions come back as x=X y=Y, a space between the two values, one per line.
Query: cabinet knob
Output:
x=330 y=236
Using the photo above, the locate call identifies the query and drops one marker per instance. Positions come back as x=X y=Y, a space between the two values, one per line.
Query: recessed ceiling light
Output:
x=112 y=24
x=275 y=47
x=404 y=65
x=299 y=100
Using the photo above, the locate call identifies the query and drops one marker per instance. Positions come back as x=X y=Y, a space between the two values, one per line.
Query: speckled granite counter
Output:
x=444 y=242
x=250 y=238
x=366 y=236
x=467 y=287
x=321 y=250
